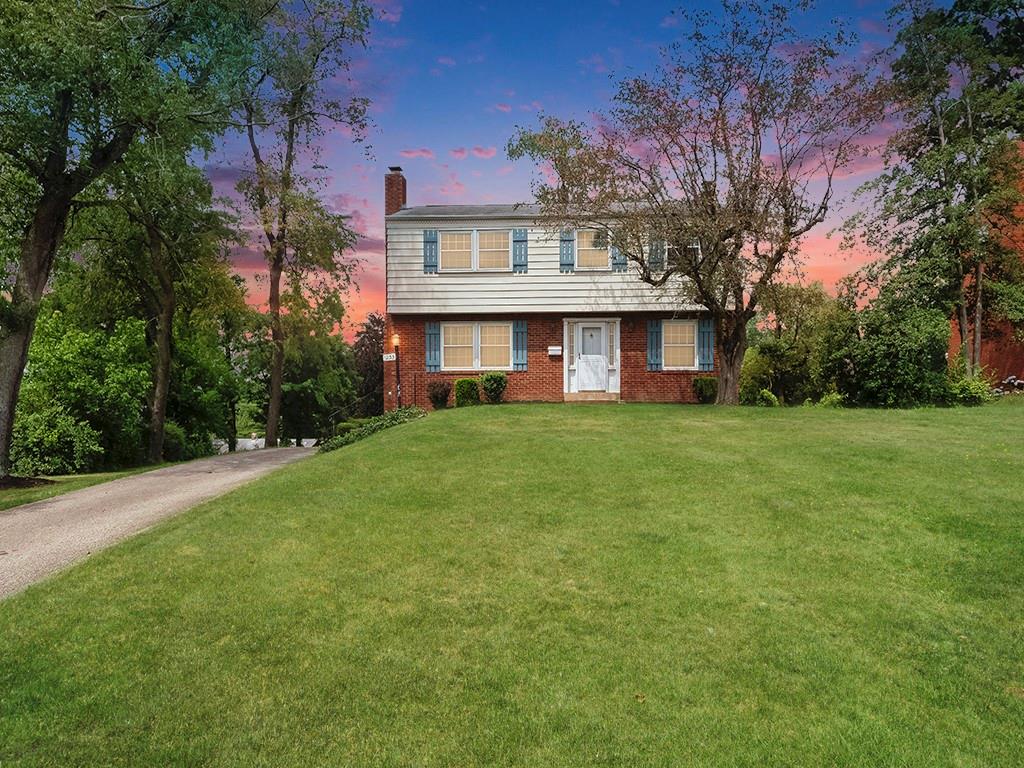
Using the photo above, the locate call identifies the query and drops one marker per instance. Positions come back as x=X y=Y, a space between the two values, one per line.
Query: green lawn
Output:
x=554 y=586
x=13 y=497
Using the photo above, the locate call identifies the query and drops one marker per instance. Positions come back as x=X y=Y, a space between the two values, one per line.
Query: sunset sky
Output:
x=451 y=81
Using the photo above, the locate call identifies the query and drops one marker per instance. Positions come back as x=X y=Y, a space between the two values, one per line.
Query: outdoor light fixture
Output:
x=398 y=372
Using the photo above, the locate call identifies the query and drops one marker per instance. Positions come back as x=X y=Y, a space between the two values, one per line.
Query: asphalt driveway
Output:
x=40 y=538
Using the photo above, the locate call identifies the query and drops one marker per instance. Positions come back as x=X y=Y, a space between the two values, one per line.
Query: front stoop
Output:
x=591 y=397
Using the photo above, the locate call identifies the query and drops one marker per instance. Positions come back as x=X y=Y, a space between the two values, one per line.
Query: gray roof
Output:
x=503 y=211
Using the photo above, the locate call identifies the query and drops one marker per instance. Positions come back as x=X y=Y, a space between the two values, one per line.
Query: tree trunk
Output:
x=732 y=347
x=965 y=338
x=979 y=276
x=161 y=381
x=38 y=247
x=277 y=358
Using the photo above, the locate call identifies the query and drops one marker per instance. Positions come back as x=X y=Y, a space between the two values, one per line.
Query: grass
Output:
x=13 y=497
x=558 y=586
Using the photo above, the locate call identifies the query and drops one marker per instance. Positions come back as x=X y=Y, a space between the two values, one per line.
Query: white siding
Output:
x=541 y=289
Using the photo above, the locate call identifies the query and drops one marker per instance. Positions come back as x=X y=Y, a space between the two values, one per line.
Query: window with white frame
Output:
x=592 y=249
x=494 y=249
x=679 y=344
x=692 y=254
x=476 y=346
x=470 y=250
x=456 y=250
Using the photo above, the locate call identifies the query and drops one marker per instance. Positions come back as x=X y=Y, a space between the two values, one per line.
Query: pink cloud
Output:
x=533 y=106
x=505 y=170
x=427 y=154
x=484 y=152
x=452 y=187
x=503 y=107
x=446 y=61
x=670 y=21
x=459 y=153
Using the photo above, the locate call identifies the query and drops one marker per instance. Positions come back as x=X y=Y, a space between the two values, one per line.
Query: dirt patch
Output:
x=8 y=483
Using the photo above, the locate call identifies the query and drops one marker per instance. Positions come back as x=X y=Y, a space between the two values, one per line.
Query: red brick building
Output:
x=490 y=287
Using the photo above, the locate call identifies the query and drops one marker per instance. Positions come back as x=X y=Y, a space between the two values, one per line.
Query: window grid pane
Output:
x=458 y=346
x=680 y=343
x=592 y=249
x=495 y=348
x=456 y=250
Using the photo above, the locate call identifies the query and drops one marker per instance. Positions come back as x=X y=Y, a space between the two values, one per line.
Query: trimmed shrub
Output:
x=767 y=399
x=53 y=442
x=706 y=389
x=493 y=384
x=439 y=392
x=467 y=392
x=968 y=390
x=372 y=426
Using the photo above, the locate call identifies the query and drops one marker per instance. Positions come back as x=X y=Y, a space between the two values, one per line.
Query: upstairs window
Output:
x=493 y=249
x=456 y=250
x=471 y=250
x=592 y=249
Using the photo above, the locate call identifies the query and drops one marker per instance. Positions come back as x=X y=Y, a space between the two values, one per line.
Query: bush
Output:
x=181 y=446
x=493 y=384
x=767 y=399
x=467 y=392
x=53 y=442
x=706 y=389
x=755 y=375
x=968 y=390
x=372 y=426
x=439 y=392
x=832 y=400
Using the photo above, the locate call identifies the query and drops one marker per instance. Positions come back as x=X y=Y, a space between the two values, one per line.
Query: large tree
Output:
x=947 y=206
x=154 y=230
x=288 y=101
x=368 y=350
x=726 y=155
x=80 y=83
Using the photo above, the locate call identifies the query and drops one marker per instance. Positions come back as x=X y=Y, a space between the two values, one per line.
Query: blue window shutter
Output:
x=619 y=263
x=433 y=338
x=654 y=345
x=656 y=256
x=518 y=345
x=567 y=251
x=706 y=343
x=429 y=251
x=519 y=250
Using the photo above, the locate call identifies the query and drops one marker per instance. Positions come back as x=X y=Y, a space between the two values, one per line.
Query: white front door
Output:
x=592 y=359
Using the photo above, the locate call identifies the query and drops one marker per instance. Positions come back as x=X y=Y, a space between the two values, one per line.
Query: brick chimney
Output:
x=394 y=190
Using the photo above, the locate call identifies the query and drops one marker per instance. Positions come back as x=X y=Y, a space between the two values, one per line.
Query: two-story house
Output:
x=473 y=288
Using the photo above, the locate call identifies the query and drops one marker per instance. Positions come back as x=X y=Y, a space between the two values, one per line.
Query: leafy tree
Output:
x=948 y=202
x=727 y=156
x=93 y=377
x=783 y=340
x=76 y=96
x=368 y=349
x=286 y=100
x=153 y=230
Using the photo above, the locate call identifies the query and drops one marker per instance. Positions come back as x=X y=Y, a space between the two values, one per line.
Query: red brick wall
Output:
x=542 y=381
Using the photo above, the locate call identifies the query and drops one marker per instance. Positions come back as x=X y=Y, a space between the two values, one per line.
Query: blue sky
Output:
x=451 y=81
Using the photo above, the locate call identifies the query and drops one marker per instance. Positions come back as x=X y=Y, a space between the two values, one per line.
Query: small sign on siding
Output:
x=388 y=357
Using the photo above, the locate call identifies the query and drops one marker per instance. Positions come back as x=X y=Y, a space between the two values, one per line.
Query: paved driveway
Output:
x=40 y=538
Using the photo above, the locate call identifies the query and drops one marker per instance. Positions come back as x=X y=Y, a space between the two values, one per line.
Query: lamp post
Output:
x=398 y=371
